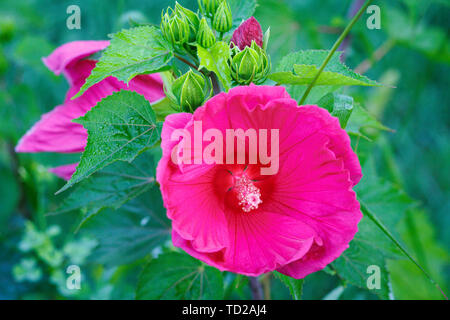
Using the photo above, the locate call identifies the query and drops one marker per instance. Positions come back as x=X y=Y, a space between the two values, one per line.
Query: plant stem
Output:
x=185 y=61
x=215 y=83
x=256 y=288
x=333 y=49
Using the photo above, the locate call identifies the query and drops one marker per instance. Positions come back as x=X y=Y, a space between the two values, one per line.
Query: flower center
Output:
x=248 y=194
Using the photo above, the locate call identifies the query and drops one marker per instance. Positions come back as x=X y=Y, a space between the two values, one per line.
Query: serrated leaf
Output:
x=339 y=105
x=119 y=127
x=131 y=232
x=371 y=247
x=135 y=51
x=300 y=68
x=111 y=187
x=215 y=59
x=179 y=276
x=295 y=286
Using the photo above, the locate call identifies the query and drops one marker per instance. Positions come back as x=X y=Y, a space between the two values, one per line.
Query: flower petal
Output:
x=259 y=242
x=56 y=132
x=70 y=52
x=65 y=172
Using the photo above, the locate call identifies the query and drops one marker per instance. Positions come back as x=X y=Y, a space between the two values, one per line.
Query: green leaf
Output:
x=339 y=105
x=361 y=120
x=295 y=285
x=162 y=108
x=131 y=232
x=120 y=127
x=300 y=68
x=112 y=186
x=179 y=276
x=215 y=59
x=135 y=51
x=317 y=93
x=241 y=10
x=371 y=247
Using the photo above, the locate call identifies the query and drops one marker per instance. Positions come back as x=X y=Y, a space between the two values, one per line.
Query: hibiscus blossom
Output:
x=231 y=216
x=56 y=132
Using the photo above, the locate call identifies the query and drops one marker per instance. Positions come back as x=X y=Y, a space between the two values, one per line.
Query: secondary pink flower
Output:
x=56 y=132
x=230 y=216
x=249 y=30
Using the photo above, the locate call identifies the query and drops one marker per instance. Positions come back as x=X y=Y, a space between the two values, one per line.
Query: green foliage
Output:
x=300 y=68
x=409 y=282
x=295 y=285
x=132 y=232
x=361 y=121
x=241 y=10
x=120 y=127
x=216 y=59
x=339 y=105
x=131 y=52
x=112 y=186
x=371 y=246
x=179 y=276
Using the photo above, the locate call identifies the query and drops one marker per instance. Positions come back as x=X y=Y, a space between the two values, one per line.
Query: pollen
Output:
x=248 y=194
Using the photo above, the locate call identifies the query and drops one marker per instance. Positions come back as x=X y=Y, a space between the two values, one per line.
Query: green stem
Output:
x=185 y=61
x=334 y=48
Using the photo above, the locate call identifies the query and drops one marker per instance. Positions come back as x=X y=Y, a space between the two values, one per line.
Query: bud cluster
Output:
x=182 y=26
x=187 y=30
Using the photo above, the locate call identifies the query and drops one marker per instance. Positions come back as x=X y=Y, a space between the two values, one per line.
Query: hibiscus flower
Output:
x=232 y=217
x=56 y=132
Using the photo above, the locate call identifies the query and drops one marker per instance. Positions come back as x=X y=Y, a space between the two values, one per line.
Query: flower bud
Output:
x=191 y=90
x=209 y=7
x=249 y=65
x=175 y=27
x=205 y=36
x=249 y=30
x=192 y=19
x=223 y=21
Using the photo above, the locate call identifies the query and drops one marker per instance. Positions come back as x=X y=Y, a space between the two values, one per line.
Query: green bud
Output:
x=191 y=17
x=209 y=7
x=191 y=90
x=175 y=27
x=223 y=21
x=249 y=65
x=205 y=35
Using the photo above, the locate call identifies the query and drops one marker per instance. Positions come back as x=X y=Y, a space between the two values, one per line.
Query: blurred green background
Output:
x=410 y=52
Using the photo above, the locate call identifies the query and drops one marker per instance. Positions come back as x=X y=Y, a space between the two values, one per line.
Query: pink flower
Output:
x=249 y=30
x=56 y=132
x=231 y=217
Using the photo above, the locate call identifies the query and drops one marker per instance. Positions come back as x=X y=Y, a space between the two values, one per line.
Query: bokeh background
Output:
x=411 y=53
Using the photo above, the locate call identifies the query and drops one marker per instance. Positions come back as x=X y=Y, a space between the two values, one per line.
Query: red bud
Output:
x=249 y=30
